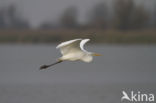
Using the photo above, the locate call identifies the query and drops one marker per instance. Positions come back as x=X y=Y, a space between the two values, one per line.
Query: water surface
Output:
x=121 y=67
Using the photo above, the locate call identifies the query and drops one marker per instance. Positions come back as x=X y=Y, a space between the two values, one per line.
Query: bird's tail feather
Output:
x=46 y=66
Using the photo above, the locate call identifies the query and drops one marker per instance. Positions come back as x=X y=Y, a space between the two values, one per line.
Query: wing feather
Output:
x=69 y=46
x=83 y=42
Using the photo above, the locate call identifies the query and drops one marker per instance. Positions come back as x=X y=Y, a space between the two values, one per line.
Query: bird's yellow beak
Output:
x=96 y=54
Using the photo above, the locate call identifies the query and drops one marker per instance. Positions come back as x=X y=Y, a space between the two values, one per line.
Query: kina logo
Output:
x=137 y=96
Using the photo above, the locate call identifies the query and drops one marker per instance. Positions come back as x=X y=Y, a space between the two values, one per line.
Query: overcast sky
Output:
x=38 y=11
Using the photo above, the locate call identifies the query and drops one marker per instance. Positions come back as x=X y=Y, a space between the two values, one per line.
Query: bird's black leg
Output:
x=46 y=66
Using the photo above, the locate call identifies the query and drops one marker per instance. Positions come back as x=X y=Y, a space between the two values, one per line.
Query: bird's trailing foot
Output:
x=44 y=67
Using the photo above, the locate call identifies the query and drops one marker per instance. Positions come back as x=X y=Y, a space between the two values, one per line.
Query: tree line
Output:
x=122 y=14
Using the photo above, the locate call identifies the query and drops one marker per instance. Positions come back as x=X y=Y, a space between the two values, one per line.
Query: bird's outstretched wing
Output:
x=76 y=45
x=69 y=46
x=83 y=42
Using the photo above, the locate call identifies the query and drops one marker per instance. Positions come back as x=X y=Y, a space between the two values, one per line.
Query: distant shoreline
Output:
x=110 y=36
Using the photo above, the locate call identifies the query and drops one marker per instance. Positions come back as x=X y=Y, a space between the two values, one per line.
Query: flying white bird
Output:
x=73 y=50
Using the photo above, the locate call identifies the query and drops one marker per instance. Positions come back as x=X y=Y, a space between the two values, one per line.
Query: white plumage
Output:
x=73 y=50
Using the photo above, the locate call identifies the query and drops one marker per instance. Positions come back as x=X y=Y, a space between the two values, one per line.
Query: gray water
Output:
x=121 y=67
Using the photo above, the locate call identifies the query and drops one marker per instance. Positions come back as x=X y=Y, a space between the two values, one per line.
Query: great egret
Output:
x=73 y=50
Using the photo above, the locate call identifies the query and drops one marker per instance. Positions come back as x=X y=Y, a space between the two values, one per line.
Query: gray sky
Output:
x=38 y=11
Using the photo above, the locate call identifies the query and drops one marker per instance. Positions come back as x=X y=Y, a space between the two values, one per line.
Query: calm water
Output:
x=120 y=67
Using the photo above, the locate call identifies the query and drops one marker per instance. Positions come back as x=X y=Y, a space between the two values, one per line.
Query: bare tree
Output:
x=69 y=18
x=128 y=15
x=14 y=19
x=10 y=18
x=98 y=16
x=154 y=15
x=2 y=19
x=140 y=18
x=123 y=13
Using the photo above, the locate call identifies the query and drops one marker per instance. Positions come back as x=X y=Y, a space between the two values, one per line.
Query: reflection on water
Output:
x=120 y=67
